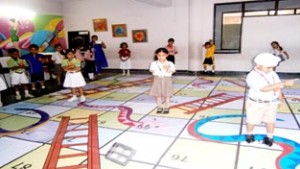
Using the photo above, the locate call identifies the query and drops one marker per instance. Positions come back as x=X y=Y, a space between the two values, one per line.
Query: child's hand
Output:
x=166 y=67
x=290 y=82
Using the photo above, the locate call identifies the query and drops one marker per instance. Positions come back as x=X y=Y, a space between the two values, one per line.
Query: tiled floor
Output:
x=204 y=129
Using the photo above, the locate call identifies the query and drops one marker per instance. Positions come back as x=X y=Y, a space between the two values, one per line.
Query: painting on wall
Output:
x=100 y=25
x=139 y=36
x=43 y=30
x=119 y=30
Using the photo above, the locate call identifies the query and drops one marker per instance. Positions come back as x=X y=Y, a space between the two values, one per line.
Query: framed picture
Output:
x=139 y=36
x=119 y=30
x=100 y=25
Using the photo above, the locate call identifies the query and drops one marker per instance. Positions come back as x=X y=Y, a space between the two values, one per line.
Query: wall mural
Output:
x=43 y=30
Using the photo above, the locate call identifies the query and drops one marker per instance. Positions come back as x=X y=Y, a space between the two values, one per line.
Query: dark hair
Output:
x=164 y=50
x=207 y=43
x=57 y=45
x=12 y=50
x=171 y=40
x=33 y=46
x=94 y=36
x=275 y=42
x=123 y=43
x=68 y=51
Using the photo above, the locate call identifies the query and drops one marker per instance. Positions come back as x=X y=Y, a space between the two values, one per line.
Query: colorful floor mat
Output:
x=204 y=129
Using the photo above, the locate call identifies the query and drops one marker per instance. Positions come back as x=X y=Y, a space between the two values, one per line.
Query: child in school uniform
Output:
x=35 y=62
x=90 y=67
x=17 y=67
x=57 y=58
x=2 y=87
x=209 y=56
x=162 y=86
x=124 y=54
x=264 y=96
x=74 y=78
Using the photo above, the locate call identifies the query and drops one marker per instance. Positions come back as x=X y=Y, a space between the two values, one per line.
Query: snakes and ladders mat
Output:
x=204 y=129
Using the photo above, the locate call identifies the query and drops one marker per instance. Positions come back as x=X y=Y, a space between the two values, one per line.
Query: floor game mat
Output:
x=204 y=129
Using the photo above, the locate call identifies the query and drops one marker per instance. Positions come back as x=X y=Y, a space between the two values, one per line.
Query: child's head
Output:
x=171 y=41
x=123 y=45
x=58 y=47
x=266 y=62
x=70 y=54
x=33 y=49
x=94 y=38
x=13 y=52
x=275 y=45
x=161 y=54
x=207 y=45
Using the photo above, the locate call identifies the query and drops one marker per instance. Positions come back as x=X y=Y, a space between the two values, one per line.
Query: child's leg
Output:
x=27 y=95
x=158 y=101
x=18 y=96
x=213 y=68
x=205 y=67
x=167 y=103
x=124 y=72
x=42 y=84
x=128 y=72
x=74 y=97
x=81 y=92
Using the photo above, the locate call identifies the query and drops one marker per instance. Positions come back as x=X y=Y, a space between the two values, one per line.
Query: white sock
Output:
x=26 y=92
x=17 y=93
x=270 y=135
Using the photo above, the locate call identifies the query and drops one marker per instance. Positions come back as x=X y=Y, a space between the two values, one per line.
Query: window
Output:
x=229 y=19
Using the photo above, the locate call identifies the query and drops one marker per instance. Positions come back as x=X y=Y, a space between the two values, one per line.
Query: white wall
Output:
x=161 y=24
x=190 y=22
x=270 y=29
x=38 y=6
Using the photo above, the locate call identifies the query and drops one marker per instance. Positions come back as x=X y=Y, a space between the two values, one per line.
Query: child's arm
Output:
x=278 y=86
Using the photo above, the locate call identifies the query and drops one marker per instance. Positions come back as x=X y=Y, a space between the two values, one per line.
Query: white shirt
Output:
x=57 y=58
x=256 y=80
x=157 y=69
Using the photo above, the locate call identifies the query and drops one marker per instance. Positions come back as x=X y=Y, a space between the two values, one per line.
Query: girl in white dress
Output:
x=162 y=86
x=74 y=78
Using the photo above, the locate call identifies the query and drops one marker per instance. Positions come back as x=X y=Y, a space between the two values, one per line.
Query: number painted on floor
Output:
x=177 y=157
x=21 y=166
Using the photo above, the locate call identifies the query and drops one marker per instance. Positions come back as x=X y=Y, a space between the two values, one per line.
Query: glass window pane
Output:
x=259 y=6
x=257 y=13
x=231 y=30
x=285 y=12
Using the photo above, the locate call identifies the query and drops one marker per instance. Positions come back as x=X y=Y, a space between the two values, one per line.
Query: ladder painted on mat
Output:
x=92 y=154
x=205 y=103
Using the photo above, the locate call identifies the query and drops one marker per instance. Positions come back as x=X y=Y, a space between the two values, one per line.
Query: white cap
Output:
x=267 y=60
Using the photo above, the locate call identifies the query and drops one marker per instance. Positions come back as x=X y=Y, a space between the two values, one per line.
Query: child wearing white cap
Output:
x=264 y=96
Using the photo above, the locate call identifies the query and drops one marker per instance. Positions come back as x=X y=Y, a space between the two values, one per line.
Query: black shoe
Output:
x=268 y=141
x=250 y=138
x=166 y=111
x=159 y=110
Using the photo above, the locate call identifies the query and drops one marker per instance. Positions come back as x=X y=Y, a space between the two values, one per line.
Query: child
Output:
x=264 y=96
x=74 y=78
x=100 y=59
x=2 y=87
x=57 y=58
x=162 y=71
x=209 y=56
x=124 y=54
x=35 y=62
x=90 y=63
x=278 y=51
x=172 y=50
x=17 y=67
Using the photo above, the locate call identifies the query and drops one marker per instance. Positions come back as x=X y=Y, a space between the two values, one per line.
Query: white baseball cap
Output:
x=267 y=60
